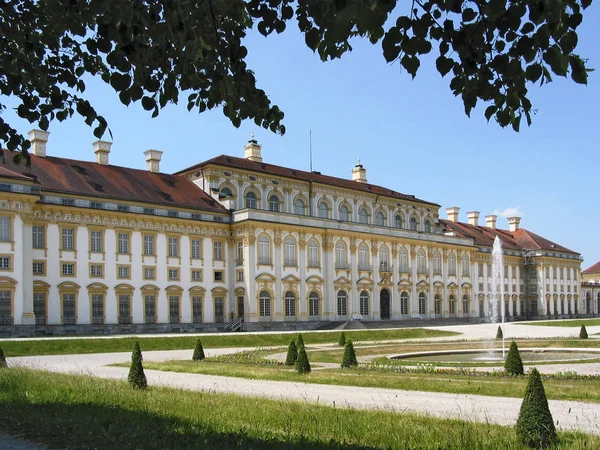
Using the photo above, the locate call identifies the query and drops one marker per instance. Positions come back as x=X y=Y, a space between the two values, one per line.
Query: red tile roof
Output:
x=5 y=173
x=592 y=270
x=518 y=240
x=246 y=164
x=69 y=176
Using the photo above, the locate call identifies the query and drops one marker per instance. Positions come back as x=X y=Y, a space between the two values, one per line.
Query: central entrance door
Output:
x=384 y=304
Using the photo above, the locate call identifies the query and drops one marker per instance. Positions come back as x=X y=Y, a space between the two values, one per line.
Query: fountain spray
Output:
x=498 y=288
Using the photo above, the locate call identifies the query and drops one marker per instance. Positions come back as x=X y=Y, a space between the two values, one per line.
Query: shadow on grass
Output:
x=91 y=426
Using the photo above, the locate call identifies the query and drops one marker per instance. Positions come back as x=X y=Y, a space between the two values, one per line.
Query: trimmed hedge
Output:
x=299 y=342
x=198 y=352
x=2 y=359
x=342 y=340
x=514 y=364
x=349 y=359
x=499 y=334
x=302 y=364
x=535 y=426
x=292 y=354
x=137 y=377
x=583 y=333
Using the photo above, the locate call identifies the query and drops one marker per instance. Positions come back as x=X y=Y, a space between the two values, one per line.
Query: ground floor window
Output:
x=451 y=305
x=264 y=300
x=290 y=304
x=364 y=303
x=313 y=304
x=404 y=303
x=124 y=309
x=5 y=308
x=97 y=309
x=465 y=304
x=68 y=306
x=197 y=309
x=174 y=308
x=219 y=309
x=150 y=308
x=437 y=305
x=39 y=308
x=422 y=303
x=342 y=303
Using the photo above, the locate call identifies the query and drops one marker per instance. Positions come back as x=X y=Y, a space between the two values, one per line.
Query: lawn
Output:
x=565 y=323
x=78 y=412
x=79 y=346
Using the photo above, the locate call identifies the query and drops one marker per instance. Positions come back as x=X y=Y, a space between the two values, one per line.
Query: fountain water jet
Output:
x=496 y=307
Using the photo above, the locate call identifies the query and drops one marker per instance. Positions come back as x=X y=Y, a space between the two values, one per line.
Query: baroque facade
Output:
x=88 y=246
x=590 y=288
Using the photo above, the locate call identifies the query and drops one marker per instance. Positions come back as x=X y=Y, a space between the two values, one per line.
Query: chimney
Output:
x=453 y=213
x=153 y=160
x=252 y=150
x=359 y=173
x=102 y=149
x=473 y=217
x=38 y=139
x=514 y=222
x=490 y=221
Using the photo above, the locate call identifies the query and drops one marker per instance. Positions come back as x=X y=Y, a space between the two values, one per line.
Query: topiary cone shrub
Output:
x=292 y=354
x=535 y=427
x=302 y=364
x=299 y=342
x=137 y=377
x=2 y=359
x=499 y=334
x=342 y=340
x=349 y=359
x=513 y=364
x=198 y=352
x=583 y=333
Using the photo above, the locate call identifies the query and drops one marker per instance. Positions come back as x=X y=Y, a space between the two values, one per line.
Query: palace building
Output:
x=89 y=247
x=590 y=288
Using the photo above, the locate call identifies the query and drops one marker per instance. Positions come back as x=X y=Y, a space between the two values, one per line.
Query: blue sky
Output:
x=411 y=135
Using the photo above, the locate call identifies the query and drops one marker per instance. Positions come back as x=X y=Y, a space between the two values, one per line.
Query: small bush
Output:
x=342 y=340
x=535 y=426
x=2 y=359
x=198 y=352
x=137 y=377
x=349 y=359
x=583 y=333
x=499 y=334
x=513 y=364
x=292 y=354
x=302 y=364
x=299 y=342
x=250 y=357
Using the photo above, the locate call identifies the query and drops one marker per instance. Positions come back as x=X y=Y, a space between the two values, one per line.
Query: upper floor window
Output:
x=299 y=207
x=274 y=203
x=264 y=250
x=251 y=200
x=403 y=260
x=196 y=251
x=68 y=239
x=323 y=210
x=363 y=216
x=123 y=243
x=344 y=213
x=96 y=241
x=451 y=264
x=421 y=262
x=218 y=251
x=173 y=247
x=465 y=266
x=313 y=254
x=38 y=236
x=5 y=229
x=289 y=257
x=226 y=192
x=379 y=219
x=240 y=253
x=384 y=259
x=363 y=257
x=413 y=224
x=398 y=221
x=427 y=226
x=340 y=251
x=437 y=264
x=149 y=245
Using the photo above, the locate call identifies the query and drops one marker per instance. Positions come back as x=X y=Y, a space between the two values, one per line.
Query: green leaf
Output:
x=578 y=71
x=516 y=123
x=444 y=65
x=148 y=103
x=533 y=72
x=568 y=42
x=489 y=112
x=312 y=38
x=558 y=62
x=468 y=15
x=411 y=64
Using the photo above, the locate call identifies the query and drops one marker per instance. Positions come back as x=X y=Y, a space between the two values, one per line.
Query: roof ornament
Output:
x=358 y=164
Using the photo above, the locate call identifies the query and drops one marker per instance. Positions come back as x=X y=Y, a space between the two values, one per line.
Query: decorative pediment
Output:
x=422 y=284
x=173 y=288
x=290 y=279
x=218 y=291
x=342 y=280
x=124 y=287
x=452 y=285
x=150 y=287
x=97 y=286
x=315 y=279
x=265 y=277
x=466 y=285
x=438 y=284
x=39 y=284
x=197 y=290
x=364 y=280
x=404 y=282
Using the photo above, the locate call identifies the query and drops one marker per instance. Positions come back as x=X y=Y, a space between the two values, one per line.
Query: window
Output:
x=289 y=256
x=313 y=254
x=422 y=303
x=173 y=244
x=173 y=308
x=437 y=264
x=68 y=269
x=340 y=251
x=197 y=309
x=264 y=304
x=5 y=308
x=196 y=275
x=363 y=257
x=403 y=260
x=240 y=275
x=219 y=309
x=173 y=274
x=274 y=203
x=465 y=304
x=123 y=208
x=5 y=263
x=196 y=248
x=68 y=309
x=363 y=216
x=451 y=305
x=342 y=303
x=96 y=270
x=404 y=303
x=226 y=193
x=68 y=236
x=480 y=269
x=427 y=226
x=97 y=309
x=264 y=250
x=5 y=234
x=465 y=266
x=239 y=260
x=218 y=251
x=251 y=200
x=39 y=308
x=123 y=272
x=150 y=308
x=38 y=236
x=149 y=273
x=437 y=305
x=218 y=275
x=384 y=265
x=39 y=268
x=421 y=262
x=323 y=210
x=290 y=304
x=451 y=264
x=299 y=206
x=148 y=245
x=364 y=303
x=124 y=309
x=379 y=219
x=344 y=213
x=413 y=224
x=398 y=221
x=123 y=243
x=96 y=241
x=313 y=304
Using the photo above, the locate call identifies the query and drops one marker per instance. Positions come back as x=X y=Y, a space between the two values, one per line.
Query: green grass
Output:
x=80 y=346
x=498 y=386
x=565 y=323
x=78 y=412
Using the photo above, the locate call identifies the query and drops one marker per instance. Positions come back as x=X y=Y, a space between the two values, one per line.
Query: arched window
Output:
x=264 y=300
x=274 y=203
x=421 y=262
x=264 y=250
x=226 y=193
x=437 y=305
x=451 y=264
x=290 y=304
x=300 y=207
x=422 y=303
x=403 y=260
x=363 y=257
x=342 y=300
x=313 y=304
x=451 y=305
x=313 y=254
x=251 y=200
x=379 y=219
x=427 y=226
x=323 y=210
x=404 y=303
x=363 y=215
x=289 y=256
x=398 y=221
x=340 y=252
x=437 y=264
x=465 y=266
x=239 y=260
x=364 y=303
x=466 y=304
x=413 y=223
x=384 y=262
x=344 y=213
